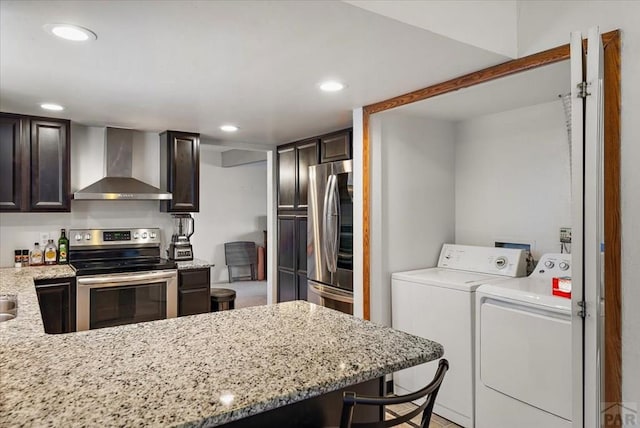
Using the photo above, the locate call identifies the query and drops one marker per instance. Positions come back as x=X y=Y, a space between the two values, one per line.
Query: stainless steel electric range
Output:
x=121 y=278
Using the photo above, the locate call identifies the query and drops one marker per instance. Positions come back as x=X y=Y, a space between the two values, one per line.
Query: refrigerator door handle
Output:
x=336 y=223
x=330 y=293
x=328 y=219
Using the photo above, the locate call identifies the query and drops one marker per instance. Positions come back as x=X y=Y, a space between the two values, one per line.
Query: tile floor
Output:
x=436 y=421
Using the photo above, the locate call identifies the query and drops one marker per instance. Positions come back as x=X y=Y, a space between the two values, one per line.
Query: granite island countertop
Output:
x=202 y=370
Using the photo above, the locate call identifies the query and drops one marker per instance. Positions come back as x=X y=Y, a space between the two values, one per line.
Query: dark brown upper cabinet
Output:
x=293 y=173
x=180 y=170
x=335 y=147
x=34 y=164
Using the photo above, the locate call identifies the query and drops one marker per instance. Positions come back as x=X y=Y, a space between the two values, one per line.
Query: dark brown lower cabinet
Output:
x=286 y=286
x=57 y=300
x=292 y=257
x=194 y=291
x=302 y=286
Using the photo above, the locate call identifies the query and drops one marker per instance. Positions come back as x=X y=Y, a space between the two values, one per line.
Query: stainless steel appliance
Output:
x=121 y=278
x=119 y=183
x=330 y=235
x=180 y=247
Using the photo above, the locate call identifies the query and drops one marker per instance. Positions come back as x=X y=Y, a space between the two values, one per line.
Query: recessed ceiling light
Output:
x=71 y=32
x=50 y=106
x=229 y=128
x=331 y=86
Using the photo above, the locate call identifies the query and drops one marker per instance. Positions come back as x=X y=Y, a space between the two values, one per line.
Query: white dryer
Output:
x=439 y=304
x=523 y=350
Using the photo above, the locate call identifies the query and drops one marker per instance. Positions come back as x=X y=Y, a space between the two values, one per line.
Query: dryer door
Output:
x=525 y=353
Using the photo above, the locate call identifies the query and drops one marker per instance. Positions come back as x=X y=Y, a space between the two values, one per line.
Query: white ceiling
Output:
x=536 y=86
x=195 y=65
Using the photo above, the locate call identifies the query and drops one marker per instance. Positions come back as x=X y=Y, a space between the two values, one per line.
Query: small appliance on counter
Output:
x=180 y=247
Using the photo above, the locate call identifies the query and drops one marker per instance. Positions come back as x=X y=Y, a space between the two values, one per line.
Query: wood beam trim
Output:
x=612 y=223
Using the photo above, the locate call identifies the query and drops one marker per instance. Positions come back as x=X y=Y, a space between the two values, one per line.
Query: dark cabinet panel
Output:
x=12 y=152
x=301 y=228
x=335 y=147
x=193 y=301
x=50 y=166
x=302 y=286
x=34 y=163
x=180 y=170
x=286 y=286
x=194 y=291
x=194 y=278
x=307 y=155
x=286 y=242
x=56 y=298
x=292 y=258
x=286 y=178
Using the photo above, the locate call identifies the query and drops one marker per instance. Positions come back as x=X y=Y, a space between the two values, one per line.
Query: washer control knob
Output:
x=563 y=265
x=144 y=235
x=501 y=262
x=549 y=264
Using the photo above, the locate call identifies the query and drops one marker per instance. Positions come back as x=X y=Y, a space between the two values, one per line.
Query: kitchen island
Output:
x=202 y=370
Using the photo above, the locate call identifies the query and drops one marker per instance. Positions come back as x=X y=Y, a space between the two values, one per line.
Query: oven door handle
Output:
x=126 y=279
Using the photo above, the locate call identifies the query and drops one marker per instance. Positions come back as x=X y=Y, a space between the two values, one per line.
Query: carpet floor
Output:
x=248 y=293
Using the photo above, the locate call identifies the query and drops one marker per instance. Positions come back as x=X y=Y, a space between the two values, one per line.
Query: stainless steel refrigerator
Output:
x=330 y=235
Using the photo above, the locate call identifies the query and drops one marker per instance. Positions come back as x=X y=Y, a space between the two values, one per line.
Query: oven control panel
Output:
x=105 y=237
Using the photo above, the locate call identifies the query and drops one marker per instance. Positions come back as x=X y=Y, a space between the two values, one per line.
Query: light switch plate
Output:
x=565 y=235
x=44 y=238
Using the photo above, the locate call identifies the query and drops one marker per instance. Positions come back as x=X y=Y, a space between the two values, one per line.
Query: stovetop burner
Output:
x=99 y=267
x=111 y=251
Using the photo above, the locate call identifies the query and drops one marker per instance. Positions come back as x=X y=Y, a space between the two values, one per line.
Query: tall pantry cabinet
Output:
x=293 y=162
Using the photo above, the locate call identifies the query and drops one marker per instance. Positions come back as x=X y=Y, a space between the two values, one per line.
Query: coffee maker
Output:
x=180 y=247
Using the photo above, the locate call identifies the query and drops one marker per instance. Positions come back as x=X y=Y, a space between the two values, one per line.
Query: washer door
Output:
x=525 y=353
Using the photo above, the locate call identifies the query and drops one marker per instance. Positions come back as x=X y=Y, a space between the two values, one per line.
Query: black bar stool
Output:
x=222 y=299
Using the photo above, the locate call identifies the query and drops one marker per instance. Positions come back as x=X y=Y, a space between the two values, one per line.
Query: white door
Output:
x=587 y=219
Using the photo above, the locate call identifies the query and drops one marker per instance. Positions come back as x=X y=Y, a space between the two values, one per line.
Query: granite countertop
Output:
x=202 y=370
x=194 y=264
x=20 y=281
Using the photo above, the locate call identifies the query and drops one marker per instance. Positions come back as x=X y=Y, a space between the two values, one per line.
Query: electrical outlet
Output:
x=44 y=238
x=565 y=235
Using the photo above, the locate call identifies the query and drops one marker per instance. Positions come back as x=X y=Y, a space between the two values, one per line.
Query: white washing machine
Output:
x=439 y=304
x=523 y=350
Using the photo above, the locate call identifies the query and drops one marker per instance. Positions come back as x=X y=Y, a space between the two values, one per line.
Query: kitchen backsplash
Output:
x=21 y=230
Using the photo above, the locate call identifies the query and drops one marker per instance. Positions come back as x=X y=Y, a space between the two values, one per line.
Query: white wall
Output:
x=512 y=178
x=233 y=201
x=233 y=207
x=543 y=25
x=358 y=235
x=412 y=199
x=489 y=25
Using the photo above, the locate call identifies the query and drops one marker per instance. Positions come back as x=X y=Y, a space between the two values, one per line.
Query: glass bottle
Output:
x=25 y=258
x=63 y=247
x=36 y=255
x=50 y=253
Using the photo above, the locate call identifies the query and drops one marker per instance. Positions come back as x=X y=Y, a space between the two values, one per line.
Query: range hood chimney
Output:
x=119 y=183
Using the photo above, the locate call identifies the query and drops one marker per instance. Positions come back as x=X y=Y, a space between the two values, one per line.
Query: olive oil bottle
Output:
x=63 y=248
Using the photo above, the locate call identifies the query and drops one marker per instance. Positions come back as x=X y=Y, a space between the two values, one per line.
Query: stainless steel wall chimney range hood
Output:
x=119 y=183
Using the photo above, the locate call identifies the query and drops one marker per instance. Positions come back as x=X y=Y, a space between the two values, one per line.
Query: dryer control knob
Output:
x=501 y=262
x=563 y=265
x=549 y=264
